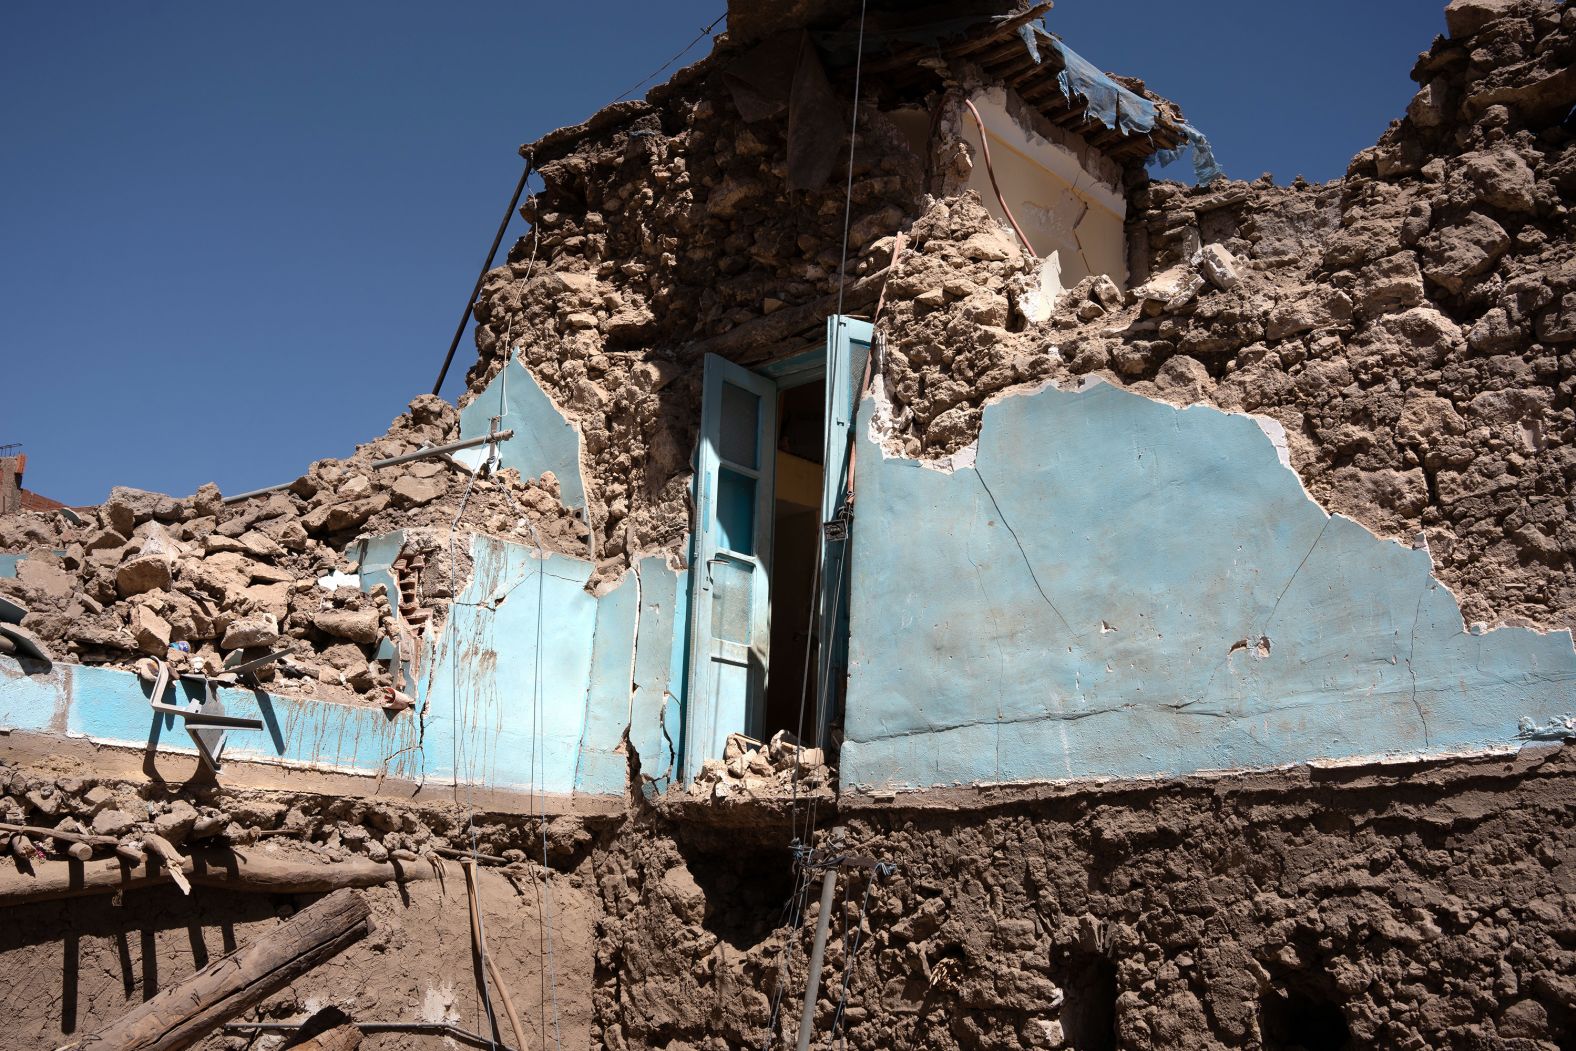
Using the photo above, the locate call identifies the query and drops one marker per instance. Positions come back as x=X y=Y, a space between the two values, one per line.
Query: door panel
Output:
x=847 y=352
x=730 y=627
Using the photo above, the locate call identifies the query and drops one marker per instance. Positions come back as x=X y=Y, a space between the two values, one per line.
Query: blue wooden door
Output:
x=847 y=353
x=730 y=625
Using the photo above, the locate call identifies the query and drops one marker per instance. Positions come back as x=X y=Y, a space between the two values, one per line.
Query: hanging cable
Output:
x=802 y=844
x=852 y=937
x=704 y=33
x=470 y=303
x=853 y=141
x=461 y=766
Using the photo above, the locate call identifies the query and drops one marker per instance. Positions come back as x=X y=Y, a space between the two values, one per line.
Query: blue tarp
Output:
x=1118 y=108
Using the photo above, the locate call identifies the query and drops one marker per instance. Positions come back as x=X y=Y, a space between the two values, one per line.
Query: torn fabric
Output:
x=1105 y=99
x=1205 y=168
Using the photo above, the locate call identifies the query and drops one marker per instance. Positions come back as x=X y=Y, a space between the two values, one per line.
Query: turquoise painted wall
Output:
x=543 y=440
x=530 y=685
x=533 y=683
x=1088 y=600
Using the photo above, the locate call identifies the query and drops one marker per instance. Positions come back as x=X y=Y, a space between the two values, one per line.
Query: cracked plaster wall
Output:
x=1112 y=586
x=527 y=686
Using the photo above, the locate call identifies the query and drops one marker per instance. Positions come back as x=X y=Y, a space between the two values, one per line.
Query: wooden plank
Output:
x=183 y=1014
x=232 y=870
x=1001 y=29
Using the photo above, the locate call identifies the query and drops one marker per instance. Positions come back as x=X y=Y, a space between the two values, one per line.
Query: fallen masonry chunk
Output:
x=418 y=490
x=1219 y=267
x=357 y=625
x=24 y=643
x=151 y=631
x=1106 y=293
x=257 y=629
x=141 y=574
x=112 y=822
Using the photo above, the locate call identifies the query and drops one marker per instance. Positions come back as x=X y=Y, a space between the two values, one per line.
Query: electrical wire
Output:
x=853 y=140
x=546 y=917
x=704 y=33
x=463 y=766
x=802 y=845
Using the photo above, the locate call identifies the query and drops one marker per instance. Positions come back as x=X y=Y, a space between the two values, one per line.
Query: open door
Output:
x=847 y=354
x=730 y=627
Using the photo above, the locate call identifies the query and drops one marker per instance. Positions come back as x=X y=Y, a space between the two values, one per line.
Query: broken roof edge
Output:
x=560 y=142
x=1067 y=89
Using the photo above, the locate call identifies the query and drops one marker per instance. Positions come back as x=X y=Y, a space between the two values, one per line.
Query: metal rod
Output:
x=514 y=202
x=238 y=497
x=812 y=988
x=195 y=718
x=238 y=669
x=419 y=454
x=438 y=450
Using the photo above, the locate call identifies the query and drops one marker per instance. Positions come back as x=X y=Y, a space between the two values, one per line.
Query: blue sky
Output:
x=235 y=238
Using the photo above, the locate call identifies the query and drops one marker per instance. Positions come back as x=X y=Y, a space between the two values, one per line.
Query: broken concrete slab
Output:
x=24 y=643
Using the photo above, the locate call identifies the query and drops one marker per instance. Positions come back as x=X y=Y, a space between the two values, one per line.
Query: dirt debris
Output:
x=149 y=577
x=776 y=769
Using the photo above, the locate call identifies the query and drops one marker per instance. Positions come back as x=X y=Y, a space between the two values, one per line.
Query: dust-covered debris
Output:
x=148 y=577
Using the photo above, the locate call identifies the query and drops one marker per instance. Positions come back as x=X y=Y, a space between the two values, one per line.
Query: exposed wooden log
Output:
x=55 y=833
x=183 y=1014
x=252 y=872
x=773 y=328
x=1004 y=28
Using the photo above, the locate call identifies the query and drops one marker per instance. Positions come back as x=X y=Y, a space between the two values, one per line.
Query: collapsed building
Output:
x=1144 y=609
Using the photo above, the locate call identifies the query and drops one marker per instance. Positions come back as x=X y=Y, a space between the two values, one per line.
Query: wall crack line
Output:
x=1411 y=667
x=1024 y=554
x=1266 y=629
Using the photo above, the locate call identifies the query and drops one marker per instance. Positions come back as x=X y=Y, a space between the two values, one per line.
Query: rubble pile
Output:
x=105 y=816
x=1412 y=326
x=670 y=225
x=147 y=577
x=750 y=769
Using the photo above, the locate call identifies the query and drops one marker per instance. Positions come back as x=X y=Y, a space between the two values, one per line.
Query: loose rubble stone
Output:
x=355 y=625
x=142 y=574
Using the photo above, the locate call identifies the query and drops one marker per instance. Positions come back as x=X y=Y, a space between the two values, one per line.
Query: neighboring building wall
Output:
x=1067 y=205
x=11 y=484
x=1107 y=585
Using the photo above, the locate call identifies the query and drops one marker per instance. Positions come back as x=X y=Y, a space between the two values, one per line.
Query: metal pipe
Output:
x=238 y=497
x=438 y=450
x=514 y=202
x=812 y=988
x=429 y=1028
x=419 y=454
x=991 y=171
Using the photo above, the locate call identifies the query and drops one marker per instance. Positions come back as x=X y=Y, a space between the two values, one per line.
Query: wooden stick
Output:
x=157 y=846
x=184 y=1014
x=65 y=837
x=254 y=873
x=479 y=943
